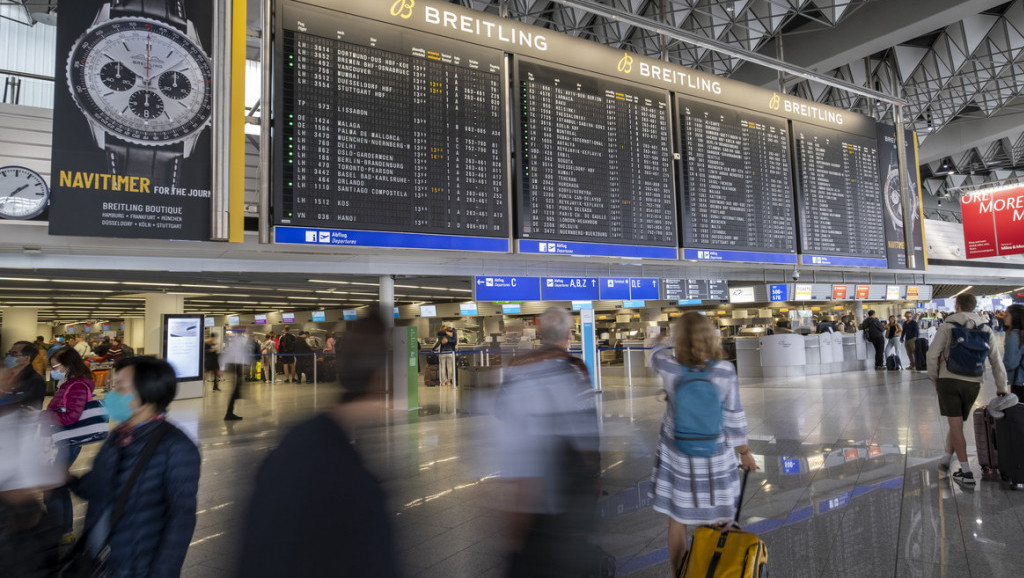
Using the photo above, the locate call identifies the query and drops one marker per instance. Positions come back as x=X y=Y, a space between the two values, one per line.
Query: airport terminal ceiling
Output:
x=955 y=62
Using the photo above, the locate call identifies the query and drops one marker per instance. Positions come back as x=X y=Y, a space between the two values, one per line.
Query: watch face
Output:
x=23 y=193
x=893 y=202
x=141 y=80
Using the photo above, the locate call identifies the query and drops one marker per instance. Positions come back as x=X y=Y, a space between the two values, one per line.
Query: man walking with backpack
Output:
x=956 y=366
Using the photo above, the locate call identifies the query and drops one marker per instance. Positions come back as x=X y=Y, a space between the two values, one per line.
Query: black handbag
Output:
x=80 y=562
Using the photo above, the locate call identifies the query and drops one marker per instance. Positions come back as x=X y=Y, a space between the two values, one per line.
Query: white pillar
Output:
x=387 y=299
x=134 y=332
x=157 y=304
x=18 y=324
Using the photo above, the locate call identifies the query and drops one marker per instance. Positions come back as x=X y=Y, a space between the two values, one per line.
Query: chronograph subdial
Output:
x=146 y=104
x=116 y=76
x=174 y=84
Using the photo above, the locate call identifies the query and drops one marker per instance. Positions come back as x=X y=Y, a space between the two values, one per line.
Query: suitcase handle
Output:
x=743 y=490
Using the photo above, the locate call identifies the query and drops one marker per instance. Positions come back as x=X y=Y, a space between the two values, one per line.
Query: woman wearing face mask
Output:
x=150 y=534
x=66 y=407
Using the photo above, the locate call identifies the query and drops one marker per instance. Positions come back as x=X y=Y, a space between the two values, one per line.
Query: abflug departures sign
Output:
x=131 y=120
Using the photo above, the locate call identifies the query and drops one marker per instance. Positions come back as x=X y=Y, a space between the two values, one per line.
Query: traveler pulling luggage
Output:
x=729 y=552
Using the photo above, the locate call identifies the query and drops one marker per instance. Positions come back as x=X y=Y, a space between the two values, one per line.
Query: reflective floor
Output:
x=848 y=486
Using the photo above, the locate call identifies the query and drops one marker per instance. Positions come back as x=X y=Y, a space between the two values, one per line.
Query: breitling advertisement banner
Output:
x=892 y=200
x=131 y=119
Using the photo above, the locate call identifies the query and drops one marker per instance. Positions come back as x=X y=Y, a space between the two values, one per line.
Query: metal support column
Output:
x=221 y=135
x=266 y=103
x=905 y=192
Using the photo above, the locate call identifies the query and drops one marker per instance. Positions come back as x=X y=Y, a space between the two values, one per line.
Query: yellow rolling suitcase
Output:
x=732 y=553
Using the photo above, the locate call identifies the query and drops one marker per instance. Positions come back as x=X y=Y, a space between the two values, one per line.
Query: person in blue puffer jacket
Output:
x=1013 y=353
x=153 y=535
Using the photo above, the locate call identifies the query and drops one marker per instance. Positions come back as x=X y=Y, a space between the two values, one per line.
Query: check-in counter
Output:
x=782 y=355
x=748 y=357
x=853 y=351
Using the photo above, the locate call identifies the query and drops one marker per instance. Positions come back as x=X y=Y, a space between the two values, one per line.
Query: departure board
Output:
x=702 y=289
x=385 y=129
x=839 y=196
x=595 y=159
x=736 y=179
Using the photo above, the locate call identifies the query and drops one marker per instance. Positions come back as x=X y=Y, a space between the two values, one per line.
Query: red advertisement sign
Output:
x=839 y=291
x=912 y=292
x=979 y=228
x=990 y=216
x=863 y=291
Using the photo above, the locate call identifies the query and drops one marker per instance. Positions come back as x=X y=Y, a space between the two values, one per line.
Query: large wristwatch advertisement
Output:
x=132 y=115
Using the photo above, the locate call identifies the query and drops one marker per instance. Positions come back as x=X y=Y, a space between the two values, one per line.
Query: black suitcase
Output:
x=921 y=354
x=1010 y=441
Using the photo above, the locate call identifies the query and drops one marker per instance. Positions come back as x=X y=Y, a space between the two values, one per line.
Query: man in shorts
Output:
x=957 y=393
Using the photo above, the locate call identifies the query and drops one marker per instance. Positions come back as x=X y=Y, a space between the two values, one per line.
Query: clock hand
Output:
x=18 y=190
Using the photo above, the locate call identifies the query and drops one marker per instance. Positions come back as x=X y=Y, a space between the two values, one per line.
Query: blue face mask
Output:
x=118 y=405
x=10 y=361
x=56 y=374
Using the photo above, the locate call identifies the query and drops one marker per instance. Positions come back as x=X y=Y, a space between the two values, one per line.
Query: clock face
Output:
x=23 y=193
x=143 y=81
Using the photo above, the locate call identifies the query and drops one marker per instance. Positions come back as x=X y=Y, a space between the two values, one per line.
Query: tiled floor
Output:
x=860 y=494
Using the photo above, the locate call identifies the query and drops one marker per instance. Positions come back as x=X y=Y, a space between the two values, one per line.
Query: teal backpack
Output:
x=698 y=412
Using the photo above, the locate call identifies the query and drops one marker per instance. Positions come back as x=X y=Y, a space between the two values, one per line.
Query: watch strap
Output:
x=161 y=165
x=172 y=11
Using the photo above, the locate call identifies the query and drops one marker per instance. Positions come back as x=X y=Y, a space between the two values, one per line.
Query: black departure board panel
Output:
x=596 y=159
x=736 y=179
x=839 y=197
x=695 y=289
x=385 y=129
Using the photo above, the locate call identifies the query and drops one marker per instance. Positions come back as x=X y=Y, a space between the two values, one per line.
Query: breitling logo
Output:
x=403 y=8
x=774 y=102
x=626 y=63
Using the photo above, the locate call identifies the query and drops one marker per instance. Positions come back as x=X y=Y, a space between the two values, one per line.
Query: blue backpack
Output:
x=968 y=349
x=698 y=412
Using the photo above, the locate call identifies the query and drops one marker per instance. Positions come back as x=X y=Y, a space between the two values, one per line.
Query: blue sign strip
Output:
x=634 y=304
x=349 y=238
x=779 y=292
x=595 y=249
x=498 y=288
x=644 y=288
x=568 y=289
x=739 y=256
x=843 y=261
x=614 y=288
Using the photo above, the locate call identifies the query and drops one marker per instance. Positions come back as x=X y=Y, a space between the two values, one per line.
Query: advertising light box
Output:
x=209 y=322
x=349 y=314
x=581 y=305
x=259 y=319
x=741 y=295
x=510 y=308
x=319 y=316
x=428 y=311
x=183 y=345
x=287 y=318
x=634 y=304
x=233 y=320
x=892 y=292
x=839 y=291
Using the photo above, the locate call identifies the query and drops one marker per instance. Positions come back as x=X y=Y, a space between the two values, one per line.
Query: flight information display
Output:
x=736 y=180
x=699 y=289
x=839 y=196
x=596 y=159
x=384 y=129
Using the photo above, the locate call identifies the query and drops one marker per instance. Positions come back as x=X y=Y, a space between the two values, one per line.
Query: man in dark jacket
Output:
x=303 y=358
x=316 y=509
x=286 y=351
x=909 y=336
x=30 y=388
x=875 y=333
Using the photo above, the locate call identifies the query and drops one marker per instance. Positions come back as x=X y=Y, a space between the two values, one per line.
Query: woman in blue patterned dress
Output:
x=693 y=490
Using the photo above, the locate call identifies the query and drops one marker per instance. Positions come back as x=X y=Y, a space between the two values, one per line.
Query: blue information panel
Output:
x=778 y=292
x=595 y=249
x=510 y=308
x=644 y=288
x=347 y=238
x=634 y=304
x=467 y=309
x=581 y=305
x=614 y=288
x=739 y=256
x=568 y=289
x=843 y=261
x=507 y=288
x=790 y=465
x=689 y=302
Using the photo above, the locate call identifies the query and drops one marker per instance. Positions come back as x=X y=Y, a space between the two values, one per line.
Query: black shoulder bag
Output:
x=79 y=562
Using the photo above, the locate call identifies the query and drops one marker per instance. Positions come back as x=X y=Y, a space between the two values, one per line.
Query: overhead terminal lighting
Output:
x=84 y=282
x=206 y=286
x=149 y=284
x=964 y=290
x=328 y=281
x=28 y=279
